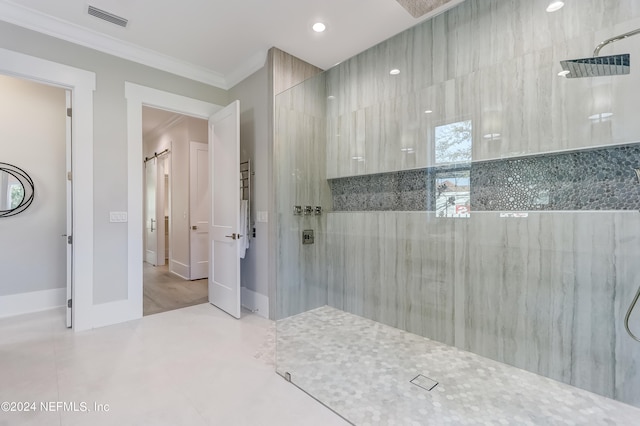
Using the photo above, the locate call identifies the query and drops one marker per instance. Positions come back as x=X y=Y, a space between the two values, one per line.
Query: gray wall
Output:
x=32 y=137
x=110 y=139
x=253 y=96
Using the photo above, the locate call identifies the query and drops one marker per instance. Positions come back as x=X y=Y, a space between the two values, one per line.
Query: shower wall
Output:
x=300 y=179
x=492 y=64
x=544 y=291
x=478 y=198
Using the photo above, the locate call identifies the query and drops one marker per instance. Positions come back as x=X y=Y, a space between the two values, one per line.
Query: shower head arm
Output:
x=596 y=52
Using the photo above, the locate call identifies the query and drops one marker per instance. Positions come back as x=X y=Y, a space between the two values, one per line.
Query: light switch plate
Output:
x=262 y=216
x=118 y=217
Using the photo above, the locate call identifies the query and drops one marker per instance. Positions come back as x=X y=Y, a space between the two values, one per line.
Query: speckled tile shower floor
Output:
x=362 y=370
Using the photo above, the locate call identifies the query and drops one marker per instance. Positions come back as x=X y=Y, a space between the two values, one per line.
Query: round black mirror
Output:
x=16 y=190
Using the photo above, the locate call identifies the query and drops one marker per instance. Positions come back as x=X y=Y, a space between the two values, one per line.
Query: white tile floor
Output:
x=193 y=366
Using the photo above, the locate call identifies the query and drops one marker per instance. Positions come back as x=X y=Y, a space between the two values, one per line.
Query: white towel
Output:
x=244 y=228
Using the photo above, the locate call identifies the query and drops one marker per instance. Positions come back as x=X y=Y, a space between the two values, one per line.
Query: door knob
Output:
x=194 y=227
x=233 y=236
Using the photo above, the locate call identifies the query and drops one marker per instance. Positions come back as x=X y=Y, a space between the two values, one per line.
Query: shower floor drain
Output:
x=424 y=382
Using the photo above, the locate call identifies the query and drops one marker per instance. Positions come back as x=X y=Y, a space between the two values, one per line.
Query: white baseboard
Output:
x=180 y=269
x=256 y=302
x=34 y=301
x=150 y=257
x=115 y=313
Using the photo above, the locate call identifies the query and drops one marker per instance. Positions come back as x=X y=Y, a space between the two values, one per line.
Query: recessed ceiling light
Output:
x=555 y=5
x=331 y=97
x=319 y=27
x=394 y=71
x=428 y=111
x=564 y=73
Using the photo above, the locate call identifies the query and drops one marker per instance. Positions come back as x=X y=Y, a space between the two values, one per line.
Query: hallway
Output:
x=164 y=291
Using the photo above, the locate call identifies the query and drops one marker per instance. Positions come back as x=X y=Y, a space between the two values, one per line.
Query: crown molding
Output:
x=58 y=28
x=248 y=67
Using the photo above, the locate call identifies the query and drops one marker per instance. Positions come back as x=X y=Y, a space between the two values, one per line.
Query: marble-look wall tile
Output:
x=627 y=350
x=300 y=179
x=398 y=269
x=301 y=273
x=466 y=64
x=546 y=293
x=289 y=71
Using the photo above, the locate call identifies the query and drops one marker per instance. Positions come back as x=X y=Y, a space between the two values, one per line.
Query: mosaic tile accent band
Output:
x=597 y=179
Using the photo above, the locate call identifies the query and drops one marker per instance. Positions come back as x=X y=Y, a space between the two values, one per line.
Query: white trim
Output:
x=179 y=269
x=137 y=96
x=255 y=302
x=248 y=67
x=113 y=313
x=82 y=84
x=65 y=30
x=34 y=301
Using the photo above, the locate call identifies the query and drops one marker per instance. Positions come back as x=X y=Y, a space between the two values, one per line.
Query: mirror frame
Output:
x=27 y=183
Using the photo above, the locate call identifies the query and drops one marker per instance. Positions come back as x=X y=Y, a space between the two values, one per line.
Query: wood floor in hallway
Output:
x=164 y=291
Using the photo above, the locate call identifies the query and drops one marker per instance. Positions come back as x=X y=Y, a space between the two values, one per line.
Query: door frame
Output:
x=138 y=96
x=82 y=84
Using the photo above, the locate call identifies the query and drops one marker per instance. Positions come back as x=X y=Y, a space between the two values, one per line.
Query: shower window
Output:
x=453 y=142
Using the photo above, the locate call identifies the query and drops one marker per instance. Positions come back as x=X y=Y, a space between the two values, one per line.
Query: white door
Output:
x=69 y=227
x=151 y=220
x=199 y=209
x=224 y=235
x=161 y=194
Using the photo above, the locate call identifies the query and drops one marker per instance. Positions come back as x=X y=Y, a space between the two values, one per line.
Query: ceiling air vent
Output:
x=419 y=8
x=106 y=16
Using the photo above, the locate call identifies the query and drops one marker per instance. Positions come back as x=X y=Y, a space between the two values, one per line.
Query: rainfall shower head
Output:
x=598 y=66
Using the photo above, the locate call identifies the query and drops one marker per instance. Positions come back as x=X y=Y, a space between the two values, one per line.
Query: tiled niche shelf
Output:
x=593 y=179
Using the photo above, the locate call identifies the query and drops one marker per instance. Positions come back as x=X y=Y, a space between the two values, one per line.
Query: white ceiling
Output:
x=219 y=42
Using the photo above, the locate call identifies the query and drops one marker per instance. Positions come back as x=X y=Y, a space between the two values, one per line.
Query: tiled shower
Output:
x=475 y=200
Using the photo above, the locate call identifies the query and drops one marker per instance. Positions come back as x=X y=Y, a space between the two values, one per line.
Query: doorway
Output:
x=176 y=209
x=43 y=154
